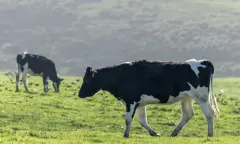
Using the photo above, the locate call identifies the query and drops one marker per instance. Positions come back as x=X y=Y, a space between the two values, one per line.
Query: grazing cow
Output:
x=143 y=82
x=37 y=65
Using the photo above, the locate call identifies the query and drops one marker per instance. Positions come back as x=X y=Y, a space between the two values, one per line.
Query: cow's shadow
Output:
x=33 y=93
x=169 y=124
x=30 y=92
x=38 y=93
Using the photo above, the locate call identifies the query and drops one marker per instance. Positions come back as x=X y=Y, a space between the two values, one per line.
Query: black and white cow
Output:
x=143 y=82
x=37 y=65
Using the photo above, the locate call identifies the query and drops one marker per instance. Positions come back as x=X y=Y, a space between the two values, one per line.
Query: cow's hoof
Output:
x=173 y=135
x=29 y=92
x=154 y=134
x=210 y=135
x=126 y=135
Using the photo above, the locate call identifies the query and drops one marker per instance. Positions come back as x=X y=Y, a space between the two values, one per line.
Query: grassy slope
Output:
x=65 y=118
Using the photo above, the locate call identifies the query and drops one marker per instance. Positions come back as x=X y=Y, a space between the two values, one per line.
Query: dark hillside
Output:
x=77 y=33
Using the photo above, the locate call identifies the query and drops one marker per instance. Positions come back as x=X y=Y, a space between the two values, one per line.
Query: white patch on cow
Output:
x=25 y=67
x=129 y=114
x=148 y=99
x=195 y=64
x=34 y=74
x=24 y=55
x=130 y=63
x=199 y=94
x=26 y=70
x=176 y=99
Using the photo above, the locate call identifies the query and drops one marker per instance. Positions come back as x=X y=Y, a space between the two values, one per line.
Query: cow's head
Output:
x=57 y=83
x=90 y=85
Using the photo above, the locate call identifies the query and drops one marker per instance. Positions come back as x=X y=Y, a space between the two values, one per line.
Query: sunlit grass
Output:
x=65 y=118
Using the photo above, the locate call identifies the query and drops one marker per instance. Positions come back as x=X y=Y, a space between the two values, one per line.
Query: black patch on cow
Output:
x=205 y=73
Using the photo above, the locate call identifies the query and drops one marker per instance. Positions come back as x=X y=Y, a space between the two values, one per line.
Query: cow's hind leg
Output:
x=187 y=114
x=17 y=78
x=45 y=84
x=142 y=119
x=209 y=115
x=203 y=101
x=130 y=111
x=24 y=79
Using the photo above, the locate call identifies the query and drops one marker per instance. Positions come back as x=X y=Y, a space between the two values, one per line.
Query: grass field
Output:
x=65 y=118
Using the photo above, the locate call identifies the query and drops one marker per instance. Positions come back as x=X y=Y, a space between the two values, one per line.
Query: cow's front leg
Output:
x=130 y=111
x=142 y=119
x=55 y=87
x=187 y=114
x=17 y=78
x=45 y=84
x=24 y=79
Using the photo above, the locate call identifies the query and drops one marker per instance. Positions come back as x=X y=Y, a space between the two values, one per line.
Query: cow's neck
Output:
x=53 y=78
x=108 y=78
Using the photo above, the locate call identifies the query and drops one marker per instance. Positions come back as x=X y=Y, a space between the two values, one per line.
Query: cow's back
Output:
x=167 y=78
x=40 y=64
x=35 y=63
x=158 y=79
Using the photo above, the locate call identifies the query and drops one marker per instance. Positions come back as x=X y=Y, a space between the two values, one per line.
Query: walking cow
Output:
x=37 y=65
x=143 y=82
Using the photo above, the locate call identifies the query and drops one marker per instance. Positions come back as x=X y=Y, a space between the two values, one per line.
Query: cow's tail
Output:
x=214 y=101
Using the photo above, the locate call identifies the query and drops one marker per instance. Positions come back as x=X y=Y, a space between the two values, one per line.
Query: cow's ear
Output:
x=89 y=69
x=93 y=73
